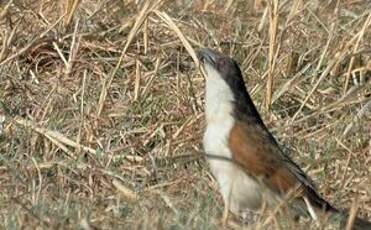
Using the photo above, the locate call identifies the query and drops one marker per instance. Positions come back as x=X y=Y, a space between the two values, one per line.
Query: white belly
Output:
x=239 y=191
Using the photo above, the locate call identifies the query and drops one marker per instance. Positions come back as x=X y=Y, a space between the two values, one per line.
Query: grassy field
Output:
x=101 y=107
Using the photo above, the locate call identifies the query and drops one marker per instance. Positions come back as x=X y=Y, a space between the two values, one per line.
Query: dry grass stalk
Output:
x=352 y=214
x=126 y=192
x=147 y=8
x=4 y=10
x=273 y=22
x=180 y=35
x=316 y=85
x=54 y=135
x=137 y=80
x=74 y=47
x=70 y=9
x=355 y=49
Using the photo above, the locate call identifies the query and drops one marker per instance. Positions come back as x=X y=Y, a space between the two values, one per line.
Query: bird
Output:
x=250 y=167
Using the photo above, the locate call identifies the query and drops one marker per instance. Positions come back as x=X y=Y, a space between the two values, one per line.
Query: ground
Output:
x=101 y=107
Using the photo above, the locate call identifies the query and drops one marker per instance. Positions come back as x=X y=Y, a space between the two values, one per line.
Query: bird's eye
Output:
x=221 y=62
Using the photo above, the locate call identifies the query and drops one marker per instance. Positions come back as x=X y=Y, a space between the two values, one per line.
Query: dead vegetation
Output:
x=101 y=112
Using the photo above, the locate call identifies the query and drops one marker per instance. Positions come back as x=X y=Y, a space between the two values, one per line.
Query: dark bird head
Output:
x=224 y=83
x=224 y=65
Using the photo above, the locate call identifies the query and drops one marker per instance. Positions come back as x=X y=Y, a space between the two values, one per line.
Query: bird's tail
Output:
x=356 y=223
x=341 y=216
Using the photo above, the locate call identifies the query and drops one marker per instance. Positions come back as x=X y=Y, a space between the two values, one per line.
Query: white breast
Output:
x=237 y=189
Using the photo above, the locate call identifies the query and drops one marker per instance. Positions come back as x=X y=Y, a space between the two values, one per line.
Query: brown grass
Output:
x=101 y=114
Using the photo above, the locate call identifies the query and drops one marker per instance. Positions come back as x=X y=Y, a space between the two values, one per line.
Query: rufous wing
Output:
x=258 y=155
x=255 y=150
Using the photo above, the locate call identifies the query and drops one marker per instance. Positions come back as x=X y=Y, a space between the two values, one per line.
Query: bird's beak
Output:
x=207 y=56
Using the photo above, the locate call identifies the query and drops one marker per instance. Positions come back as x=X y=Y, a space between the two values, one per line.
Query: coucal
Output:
x=246 y=160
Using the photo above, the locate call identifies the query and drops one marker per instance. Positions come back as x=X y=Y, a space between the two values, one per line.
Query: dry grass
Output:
x=101 y=112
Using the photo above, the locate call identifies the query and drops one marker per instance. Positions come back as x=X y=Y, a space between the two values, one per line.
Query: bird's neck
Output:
x=228 y=99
